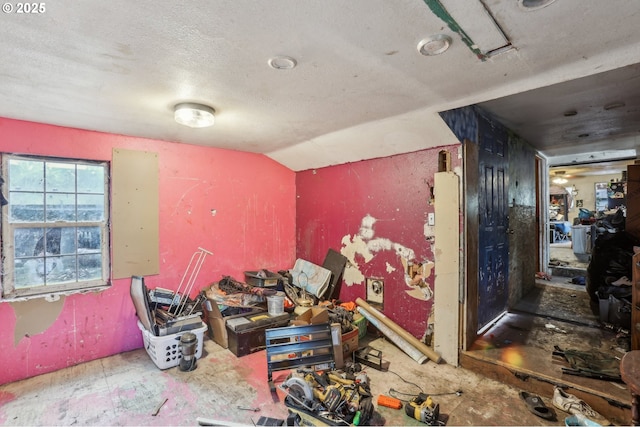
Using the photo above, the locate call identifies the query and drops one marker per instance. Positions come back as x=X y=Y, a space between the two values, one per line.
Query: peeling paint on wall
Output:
x=35 y=316
x=351 y=248
x=365 y=245
x=390 y=268
x=414 y=277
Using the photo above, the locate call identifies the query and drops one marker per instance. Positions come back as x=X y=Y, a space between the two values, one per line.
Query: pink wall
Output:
x=253 y=227
x=332 y=202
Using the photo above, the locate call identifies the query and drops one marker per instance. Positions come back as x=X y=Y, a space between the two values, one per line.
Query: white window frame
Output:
x=7 y=284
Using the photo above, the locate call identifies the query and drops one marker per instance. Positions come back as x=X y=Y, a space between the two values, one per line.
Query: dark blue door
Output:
x=493 y=239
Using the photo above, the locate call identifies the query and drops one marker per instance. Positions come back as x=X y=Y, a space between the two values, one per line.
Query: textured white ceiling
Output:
x=360 y=89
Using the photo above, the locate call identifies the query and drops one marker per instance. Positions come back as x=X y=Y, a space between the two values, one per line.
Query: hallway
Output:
x=518 y=348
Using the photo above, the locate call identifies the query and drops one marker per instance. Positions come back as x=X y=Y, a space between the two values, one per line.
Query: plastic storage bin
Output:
x=581 y=238
x=263 y=278
x=165 y=351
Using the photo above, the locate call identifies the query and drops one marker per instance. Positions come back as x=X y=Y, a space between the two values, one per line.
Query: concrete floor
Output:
x=563 y=253
x=126 y=389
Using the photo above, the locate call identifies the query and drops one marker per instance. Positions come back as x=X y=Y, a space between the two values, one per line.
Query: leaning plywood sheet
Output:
x=334 y=262
x=135 y=215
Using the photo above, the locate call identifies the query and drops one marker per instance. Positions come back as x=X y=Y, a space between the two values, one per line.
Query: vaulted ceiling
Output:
x=562 y=73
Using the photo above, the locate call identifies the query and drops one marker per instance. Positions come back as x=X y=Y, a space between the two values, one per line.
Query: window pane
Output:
x=89 y=240
x=26 y=207
x=61 y=177
x=63 y=270
x=68 y=240
x=61 y=207
x=90 y=266
x=25 y=241
x=25 y=271
x=90 y=179
x=26 y=175
x=90 y=207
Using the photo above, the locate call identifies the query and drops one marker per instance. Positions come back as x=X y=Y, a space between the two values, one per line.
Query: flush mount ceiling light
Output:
x=193 y=115
x=282 y=63
x=434 y=45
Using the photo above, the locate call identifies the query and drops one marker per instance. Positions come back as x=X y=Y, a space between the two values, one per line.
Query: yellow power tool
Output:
x=423 y=408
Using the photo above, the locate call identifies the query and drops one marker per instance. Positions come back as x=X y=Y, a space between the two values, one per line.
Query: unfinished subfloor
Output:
x=127 y=388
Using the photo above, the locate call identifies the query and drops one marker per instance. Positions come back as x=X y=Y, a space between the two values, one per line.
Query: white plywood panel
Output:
x=447 y=266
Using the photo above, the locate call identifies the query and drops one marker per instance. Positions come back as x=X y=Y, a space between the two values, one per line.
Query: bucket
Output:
x=275 y=305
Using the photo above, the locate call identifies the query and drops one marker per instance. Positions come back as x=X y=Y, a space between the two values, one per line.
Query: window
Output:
x=55 y=228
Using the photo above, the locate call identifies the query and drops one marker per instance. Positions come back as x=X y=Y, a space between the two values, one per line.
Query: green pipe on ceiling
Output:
x=438 y=9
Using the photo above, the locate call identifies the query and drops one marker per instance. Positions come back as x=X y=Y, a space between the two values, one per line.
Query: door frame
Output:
x=471 y=232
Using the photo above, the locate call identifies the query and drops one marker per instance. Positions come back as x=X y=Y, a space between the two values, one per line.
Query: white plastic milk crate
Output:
x=165 y=351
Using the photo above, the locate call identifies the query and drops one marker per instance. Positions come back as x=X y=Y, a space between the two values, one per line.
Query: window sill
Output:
x=54 y=296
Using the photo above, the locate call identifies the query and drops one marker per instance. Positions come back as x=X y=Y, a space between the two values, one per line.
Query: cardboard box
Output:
x=349 y=343
x=312 y=316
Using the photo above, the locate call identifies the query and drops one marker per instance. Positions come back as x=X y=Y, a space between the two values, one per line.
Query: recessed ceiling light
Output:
x=194 y=115
x=434 y=45
x=282 y=63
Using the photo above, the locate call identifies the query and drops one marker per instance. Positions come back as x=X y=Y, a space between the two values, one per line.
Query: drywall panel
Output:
x=447 y=264
x=135 y=213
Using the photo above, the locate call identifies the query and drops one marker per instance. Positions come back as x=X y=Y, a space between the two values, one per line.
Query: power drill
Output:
x=423 y=409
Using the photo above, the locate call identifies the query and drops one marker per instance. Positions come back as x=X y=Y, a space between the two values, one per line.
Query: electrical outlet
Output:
x=431 y=218
x=375 y=290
